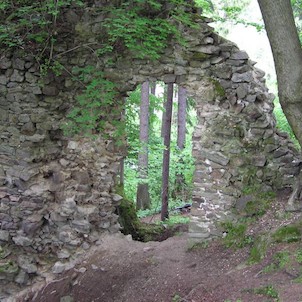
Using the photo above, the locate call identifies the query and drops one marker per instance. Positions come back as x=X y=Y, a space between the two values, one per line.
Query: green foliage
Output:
x=288 y=233
x=9 y=267
x=176 y=298
x=176 y=219
x=97 y=108
x=26 y=22
x=258 y=250
x=268 y=291
x=181 y=162
x=298 y=256
x=282 y=258
x=144 y=27
x=236 y=235
x=283 y=124
x=230 y=11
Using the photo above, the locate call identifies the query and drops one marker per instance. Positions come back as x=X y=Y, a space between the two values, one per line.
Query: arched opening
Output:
x=181 y=162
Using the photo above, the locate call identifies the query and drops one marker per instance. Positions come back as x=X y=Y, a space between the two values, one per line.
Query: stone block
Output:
x=239 y=55
x=4 y=236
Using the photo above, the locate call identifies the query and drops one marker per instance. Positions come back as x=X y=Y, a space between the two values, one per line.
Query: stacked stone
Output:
x=236 y=143
x=56 y=192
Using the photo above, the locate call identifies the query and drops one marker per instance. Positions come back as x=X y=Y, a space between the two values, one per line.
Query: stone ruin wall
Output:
x=57 y=193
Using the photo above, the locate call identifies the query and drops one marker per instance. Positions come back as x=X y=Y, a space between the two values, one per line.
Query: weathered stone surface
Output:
x=242 y=77
x=17 y=76
x=259 y=161
x=27 y=263
x=59 y=267
x=4 y=235
x=22 y=278
x=57 y=193
x=22 y=240
x=239 y=55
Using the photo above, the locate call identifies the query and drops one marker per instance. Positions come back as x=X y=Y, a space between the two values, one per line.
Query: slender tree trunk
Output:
x=164 y=112
x=143 y=196
x=284 y=40
x=153 y=88
x=122 y=172
x=181 y=139
x=151 y=108
x=166 y=154
x=181 y=117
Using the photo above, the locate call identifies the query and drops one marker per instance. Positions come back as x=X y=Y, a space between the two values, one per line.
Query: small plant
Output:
x=282 y=258
x=176 y=298
x=268 y=291
x=270 y=268
x=298 y=256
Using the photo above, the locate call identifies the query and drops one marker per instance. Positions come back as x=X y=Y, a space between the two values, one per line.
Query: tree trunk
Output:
x=282 y=33
x=181 y=139
x=122 y=172
x=181 y=117
x=164 y=112
x=142 y=195
x=166 y=154
x=153 y=88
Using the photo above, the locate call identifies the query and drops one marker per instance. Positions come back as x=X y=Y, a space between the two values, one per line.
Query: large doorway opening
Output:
x=181 y=167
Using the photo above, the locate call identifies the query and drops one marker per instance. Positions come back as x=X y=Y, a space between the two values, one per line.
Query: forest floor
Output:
x=174 y=270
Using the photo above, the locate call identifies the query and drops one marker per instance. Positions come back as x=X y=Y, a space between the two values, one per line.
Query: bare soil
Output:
x=123 y=270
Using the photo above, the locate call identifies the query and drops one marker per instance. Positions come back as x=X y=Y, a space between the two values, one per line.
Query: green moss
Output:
x=131 y=224
x=219 y=90
x=199 y=56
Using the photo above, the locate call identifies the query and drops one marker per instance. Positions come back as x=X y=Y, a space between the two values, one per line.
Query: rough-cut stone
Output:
x=4 y=235
x=242 y=77
x=22 y=240
x=22 y=278
x=259 y=161
x=27 y=263
x=59 y=267
x=57 y=193
x=239 y=55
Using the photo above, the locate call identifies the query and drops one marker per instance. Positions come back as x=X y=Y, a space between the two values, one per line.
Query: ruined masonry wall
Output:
x=56 y=193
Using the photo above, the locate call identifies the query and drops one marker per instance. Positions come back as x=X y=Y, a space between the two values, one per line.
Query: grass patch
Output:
x=258 y=249
x=282 y=258
x=236 y=235
x=288 y=234
x=176 y=219
x=268 y=291
x=193 y=246
x=298 y=256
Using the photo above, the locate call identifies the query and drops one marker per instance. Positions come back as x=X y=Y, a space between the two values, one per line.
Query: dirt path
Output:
x=122 y=270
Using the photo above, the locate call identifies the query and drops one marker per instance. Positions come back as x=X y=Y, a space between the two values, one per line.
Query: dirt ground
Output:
x=122 y=270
